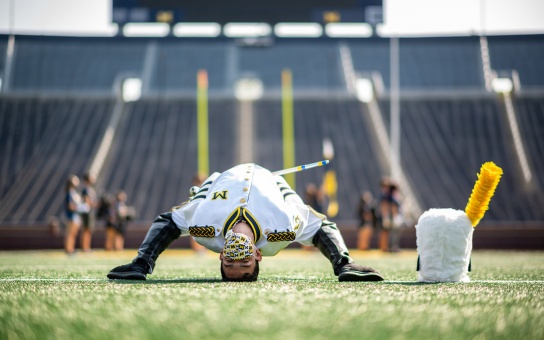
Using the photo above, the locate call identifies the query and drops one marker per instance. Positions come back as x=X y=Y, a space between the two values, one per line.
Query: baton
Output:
x=300 y=168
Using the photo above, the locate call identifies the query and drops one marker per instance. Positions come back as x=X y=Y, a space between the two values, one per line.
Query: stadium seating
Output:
x=92 y=65
x=154 y=155
x=3 y=47
x=71 y=65
x=44 y=141
x=178 y=63
x=521 y=53
x=61 y=99
x=314 y=64
x=426 y=63
x=446 y=141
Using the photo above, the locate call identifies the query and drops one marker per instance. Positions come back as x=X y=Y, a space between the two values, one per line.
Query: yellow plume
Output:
x=488 y=179
x=330 y=187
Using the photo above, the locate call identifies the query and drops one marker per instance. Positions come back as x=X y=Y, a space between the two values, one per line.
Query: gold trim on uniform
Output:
x=252 y=221
x=297 y=223
x=202 y=231
x=318 y=214
x=242 y=213
x=231 y=220
x=281 y=236
x=220 y=194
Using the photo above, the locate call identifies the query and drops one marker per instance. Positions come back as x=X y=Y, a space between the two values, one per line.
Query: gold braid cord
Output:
x=281 y=236
x=488 y=179
x=202 y=231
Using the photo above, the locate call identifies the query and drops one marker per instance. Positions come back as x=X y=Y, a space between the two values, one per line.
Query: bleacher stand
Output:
x=62 y=95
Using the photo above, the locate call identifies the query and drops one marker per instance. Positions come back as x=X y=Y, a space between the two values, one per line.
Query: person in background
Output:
x=314 y=197
x=397 y=220
x=107 y=211
x=73 y=206
x=384 y=213
x=88 y=218
x=367 y=217
x=118 y=215
x=121 y=210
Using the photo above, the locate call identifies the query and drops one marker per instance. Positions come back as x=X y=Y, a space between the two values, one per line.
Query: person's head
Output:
x=385 y=182
x=393 y=187
x=239 y=257
x=198 y=179
x=311 y=189
x=366 y=197
x=121 y=196
x=72 y=182
x=88 y=179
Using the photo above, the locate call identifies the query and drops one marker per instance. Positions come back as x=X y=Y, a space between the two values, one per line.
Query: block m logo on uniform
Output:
x=220 y=194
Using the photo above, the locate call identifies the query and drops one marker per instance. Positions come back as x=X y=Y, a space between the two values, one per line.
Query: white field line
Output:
x=472 y=281
x=30 y=279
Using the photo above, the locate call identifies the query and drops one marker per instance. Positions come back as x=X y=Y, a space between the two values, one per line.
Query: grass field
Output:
x=47 y=295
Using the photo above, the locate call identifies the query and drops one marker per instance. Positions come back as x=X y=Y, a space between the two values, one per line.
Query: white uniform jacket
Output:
x=274 y=211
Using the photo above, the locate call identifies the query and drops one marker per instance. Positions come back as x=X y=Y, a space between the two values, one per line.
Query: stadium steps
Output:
x=521 y=53
x=154 y=153
x=314 y=64
x=530 y=116
x=444 y=145
x=72 y=65
x=178 y=63
x=68 y=141
x=355 y=161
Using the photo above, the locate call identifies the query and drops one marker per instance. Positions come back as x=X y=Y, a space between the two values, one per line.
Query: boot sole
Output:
x=126 y=276
x=359 y=276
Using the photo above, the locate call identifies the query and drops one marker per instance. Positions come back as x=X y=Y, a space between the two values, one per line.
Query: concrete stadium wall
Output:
x=486 y=236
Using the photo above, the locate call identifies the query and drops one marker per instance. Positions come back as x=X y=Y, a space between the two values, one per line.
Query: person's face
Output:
x=90 y=180
x=235 y=269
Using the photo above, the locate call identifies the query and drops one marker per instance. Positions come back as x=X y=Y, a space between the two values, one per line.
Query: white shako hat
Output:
x=444 y=236
x=444 y=245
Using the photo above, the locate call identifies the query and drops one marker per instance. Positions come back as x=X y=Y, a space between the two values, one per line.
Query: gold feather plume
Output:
x=488 y=179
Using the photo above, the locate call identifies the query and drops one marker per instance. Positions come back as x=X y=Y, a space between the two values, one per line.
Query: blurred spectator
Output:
x=397 y=221
x=198 y=179
x=108 y=212
x=73 y=206
x=367 y=217
x=119 y=213
x=384 y=211
x=314 y=197
x=88 y=219
x=391 y=217
x=54 y=225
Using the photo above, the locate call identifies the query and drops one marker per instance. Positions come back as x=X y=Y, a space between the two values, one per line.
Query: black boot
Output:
x=355 y=272
x=136 y=270
x=331 y=244
x=162 y=233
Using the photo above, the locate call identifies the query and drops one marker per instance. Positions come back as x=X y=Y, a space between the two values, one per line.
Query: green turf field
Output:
x=47 y=295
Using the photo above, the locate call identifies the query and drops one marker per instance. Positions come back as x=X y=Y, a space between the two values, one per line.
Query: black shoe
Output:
x=132 y=271
x=355 y=272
